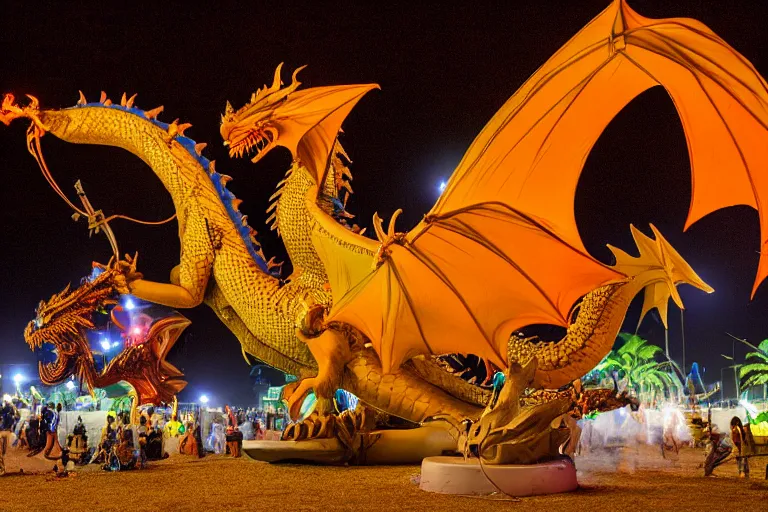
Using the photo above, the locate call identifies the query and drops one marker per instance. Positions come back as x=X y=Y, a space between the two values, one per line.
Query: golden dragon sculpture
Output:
x=367 y=315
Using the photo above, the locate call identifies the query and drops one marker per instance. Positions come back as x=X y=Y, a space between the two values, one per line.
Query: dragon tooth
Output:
x=152 y=114
x=199 y=147
x=129 y=103
x=82 y=100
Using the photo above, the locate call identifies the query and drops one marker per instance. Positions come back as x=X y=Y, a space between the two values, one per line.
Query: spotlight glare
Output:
x=203 y=399
x=442 y=186
x=105 y=344
x=129 y=304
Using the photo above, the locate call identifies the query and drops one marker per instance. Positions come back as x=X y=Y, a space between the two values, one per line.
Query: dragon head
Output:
x=305 y=122
x=63 y=322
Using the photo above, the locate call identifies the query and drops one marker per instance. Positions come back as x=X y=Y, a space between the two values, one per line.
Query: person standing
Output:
x=739 y=440
x=8 y=418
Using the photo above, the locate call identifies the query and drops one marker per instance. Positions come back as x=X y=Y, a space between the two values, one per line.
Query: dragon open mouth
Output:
x=260 y=141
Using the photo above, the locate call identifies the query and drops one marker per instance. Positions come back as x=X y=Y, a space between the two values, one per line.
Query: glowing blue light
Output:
x=18 y=378
x=105 y=344
x=129 y=304
x=203 y=399
x=70 y=385
x=442 y=186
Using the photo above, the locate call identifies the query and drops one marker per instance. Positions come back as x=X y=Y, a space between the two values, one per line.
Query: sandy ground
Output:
x=638 y=478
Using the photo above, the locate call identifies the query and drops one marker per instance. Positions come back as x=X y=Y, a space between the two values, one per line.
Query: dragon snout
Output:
x=10 y=110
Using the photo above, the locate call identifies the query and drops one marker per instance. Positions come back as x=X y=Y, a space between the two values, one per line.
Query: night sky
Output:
x=444 y=70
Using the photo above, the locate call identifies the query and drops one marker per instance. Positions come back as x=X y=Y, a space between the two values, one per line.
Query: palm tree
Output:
x=756 y=372
x=635 y=363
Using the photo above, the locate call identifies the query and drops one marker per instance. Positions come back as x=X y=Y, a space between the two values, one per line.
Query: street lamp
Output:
x=17 y=379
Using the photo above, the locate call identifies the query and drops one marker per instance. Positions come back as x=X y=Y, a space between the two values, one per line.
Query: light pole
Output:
x=735 y=371
x=682 y=332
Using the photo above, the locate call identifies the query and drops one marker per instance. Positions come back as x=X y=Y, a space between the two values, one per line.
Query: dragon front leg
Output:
x=189 y=279
x=331 y=351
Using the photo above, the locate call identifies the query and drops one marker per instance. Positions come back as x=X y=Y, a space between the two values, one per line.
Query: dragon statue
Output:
x=64 y=321
x=373 y=316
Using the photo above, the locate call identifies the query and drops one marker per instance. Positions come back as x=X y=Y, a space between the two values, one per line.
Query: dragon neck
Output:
x=129 y=129
x=176 y=160
x=588 y=339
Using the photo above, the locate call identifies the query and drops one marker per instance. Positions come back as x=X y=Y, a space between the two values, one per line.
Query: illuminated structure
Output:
x=369 y=315
x=66 y=320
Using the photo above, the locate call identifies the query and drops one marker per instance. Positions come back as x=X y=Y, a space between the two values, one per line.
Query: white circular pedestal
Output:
x=452 y=475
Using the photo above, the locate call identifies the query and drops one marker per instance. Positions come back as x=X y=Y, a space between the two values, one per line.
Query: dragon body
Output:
x=227 y=269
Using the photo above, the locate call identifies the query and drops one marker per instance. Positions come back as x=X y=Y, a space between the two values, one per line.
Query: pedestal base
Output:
x=452 y=475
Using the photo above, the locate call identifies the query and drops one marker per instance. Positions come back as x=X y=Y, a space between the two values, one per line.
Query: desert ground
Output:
x=638 y=478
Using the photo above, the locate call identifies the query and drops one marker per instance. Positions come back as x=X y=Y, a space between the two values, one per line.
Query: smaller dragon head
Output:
x=306 y=121
x=63 y=322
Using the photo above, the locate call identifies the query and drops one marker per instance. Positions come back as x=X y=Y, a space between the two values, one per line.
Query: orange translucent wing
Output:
x=501 y=248
x=465 y=283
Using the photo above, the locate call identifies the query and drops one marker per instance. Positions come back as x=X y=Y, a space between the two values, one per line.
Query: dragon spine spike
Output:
x=244 y=220
x=271 y=207
x=103 y=97
x=123 y=100
x=81 y=100
x=212 y=168
x=199 y=147
x=236 y=204
x=152 y=114
x=275 y=195
x=271 y=219
x=130 y=101
x=183 y=127
x=224 y=179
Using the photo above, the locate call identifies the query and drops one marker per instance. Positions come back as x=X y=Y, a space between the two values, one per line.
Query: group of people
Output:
x=125 y=444
x=37 y=432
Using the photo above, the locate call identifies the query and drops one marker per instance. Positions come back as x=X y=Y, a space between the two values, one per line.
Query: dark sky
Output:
x=444 y=70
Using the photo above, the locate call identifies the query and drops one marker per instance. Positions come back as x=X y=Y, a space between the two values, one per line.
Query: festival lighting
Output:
x=203 y=399
x=442 y=186
x=70 y=385
x=105 y=345
x=136 y=331
x=129 y=304
x=18 y=378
